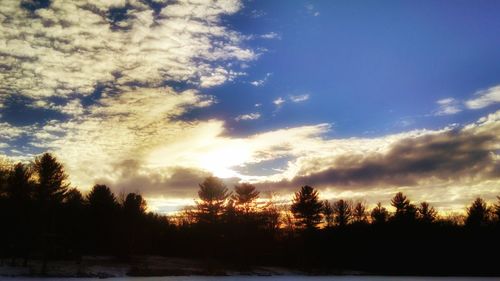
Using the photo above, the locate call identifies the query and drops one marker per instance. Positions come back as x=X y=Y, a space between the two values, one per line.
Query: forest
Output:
x=44 y=219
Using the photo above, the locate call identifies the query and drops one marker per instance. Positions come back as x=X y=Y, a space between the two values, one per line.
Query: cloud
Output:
x=448 y=106
x=118 y=128
x=484 y=98
x=311 y=10
x=261 y=82
x=67 y=48
x=466 y=156
x=270 y=35
x=279 y=101
x=245 y=117
x=255 y=14
x=299 y=98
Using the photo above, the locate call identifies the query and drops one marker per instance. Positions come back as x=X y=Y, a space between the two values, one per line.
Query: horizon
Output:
x=358 y=100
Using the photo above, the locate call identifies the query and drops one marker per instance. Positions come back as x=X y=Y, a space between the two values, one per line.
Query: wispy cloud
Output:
x=484 y=98
x=448 y=106
x=261 y=82
x=299 y=98
x=311 y=9
x=270 y=35
x=246 y=117
x=279 y=101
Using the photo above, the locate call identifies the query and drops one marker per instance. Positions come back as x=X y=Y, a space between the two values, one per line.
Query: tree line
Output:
x=43 y=218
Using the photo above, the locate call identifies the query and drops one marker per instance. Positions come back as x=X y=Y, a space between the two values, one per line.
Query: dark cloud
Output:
x=181 y=182
x=470 y=154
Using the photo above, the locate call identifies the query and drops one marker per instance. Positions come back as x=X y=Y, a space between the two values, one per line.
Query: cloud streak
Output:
x=484 y=98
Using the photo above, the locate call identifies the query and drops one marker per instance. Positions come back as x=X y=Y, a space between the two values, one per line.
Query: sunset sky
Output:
x=359 y=99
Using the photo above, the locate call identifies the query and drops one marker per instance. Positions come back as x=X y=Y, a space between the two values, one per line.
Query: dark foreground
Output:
x=278 y=278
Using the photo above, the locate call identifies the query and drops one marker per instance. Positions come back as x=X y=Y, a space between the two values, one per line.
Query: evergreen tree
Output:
x=477 y=214
x=19 y=185
x=328 y=213
x=342 y=212
x=52 y=182
x=359 y=213
x=379 y=214
x=134 y=205
x=496 y=210
x=213 y=194
x=306 y=208
x=103 y=210
x=405 y=211
x=245 y=197
x=427 y=213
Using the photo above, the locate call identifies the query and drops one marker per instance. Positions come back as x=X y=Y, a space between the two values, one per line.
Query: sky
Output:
x=360 y=99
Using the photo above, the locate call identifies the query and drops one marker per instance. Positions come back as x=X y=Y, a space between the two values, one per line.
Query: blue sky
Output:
x=152 y=96
x=366 y=66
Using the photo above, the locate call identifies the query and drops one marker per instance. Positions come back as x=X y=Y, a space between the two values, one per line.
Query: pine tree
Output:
x=342 y=212
x=52 y=182
x=478 y=213
x=306 y=208
x=245 y=197
x=213 y=194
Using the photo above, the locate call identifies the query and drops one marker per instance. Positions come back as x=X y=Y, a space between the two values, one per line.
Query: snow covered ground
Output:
x=270 y=278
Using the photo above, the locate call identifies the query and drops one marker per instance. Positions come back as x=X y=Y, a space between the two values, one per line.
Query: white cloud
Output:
x=448 y=106
x=279 y=101
x=66 y=49
x=311 y=10
x=484 y=98
x=299 y=98
x=270 y=35
x=250 y=116
x=261 y=82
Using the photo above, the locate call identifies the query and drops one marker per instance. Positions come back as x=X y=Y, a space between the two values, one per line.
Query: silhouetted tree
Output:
x=496 y=210
x=134 y=211
x=245 y=197
x=477 y=213
x=426 y=213
x=134 y=205
x=101 y=200
x=50 y=189
x=342 y=212
x=271 y=216
x=306 y=208
x=103 y=209
x=328 y=213
x=51 y=180
x=74 y=221
x=74 y=199
x=5 y=168
x=359 y=213
x=213 y=194
x=379 y=214
x=405 y=211
x=18 y=191
x=19 y=185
